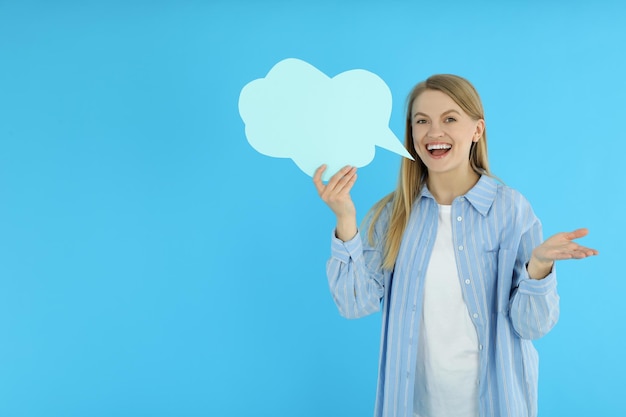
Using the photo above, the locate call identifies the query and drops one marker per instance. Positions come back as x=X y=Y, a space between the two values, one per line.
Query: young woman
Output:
x=458 y=262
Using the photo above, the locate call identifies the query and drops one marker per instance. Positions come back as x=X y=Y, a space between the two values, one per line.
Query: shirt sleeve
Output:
x=534 y=304
x=355 y=273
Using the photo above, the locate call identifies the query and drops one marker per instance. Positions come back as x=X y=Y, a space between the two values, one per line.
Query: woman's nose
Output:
x=435 y=131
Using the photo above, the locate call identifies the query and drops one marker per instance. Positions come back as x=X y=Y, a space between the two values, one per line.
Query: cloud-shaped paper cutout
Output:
x=299 y=112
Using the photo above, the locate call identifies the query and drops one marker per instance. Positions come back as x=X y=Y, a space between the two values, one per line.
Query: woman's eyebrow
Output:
x=419 y=113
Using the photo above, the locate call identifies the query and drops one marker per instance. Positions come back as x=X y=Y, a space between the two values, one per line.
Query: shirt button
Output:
x=480 y=347
x=458 y=219
x=475 y=315
x=467 y=281
x=461 y=247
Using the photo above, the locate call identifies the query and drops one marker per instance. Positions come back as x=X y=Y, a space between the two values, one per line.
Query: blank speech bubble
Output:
x=299 y=112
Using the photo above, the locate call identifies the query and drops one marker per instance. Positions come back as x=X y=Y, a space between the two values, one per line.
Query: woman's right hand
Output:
x=336 y=194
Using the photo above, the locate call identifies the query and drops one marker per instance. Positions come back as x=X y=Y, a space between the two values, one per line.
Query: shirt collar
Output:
x=480 y=196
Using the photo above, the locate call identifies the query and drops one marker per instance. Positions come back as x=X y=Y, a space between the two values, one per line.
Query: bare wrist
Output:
x=346 y=229
x=539 y=269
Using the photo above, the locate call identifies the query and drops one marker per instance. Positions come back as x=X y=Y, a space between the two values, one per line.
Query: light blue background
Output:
x=153 y=264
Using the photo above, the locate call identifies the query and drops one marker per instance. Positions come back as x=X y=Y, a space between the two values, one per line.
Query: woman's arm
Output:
x=354 y=271
x=534 y=306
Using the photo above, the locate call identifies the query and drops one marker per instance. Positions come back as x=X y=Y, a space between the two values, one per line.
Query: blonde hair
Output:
x=413 y=174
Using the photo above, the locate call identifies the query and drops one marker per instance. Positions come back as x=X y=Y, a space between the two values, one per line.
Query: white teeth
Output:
x=432 y=146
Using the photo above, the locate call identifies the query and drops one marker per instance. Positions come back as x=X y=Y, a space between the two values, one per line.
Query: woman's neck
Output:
x=445 y=187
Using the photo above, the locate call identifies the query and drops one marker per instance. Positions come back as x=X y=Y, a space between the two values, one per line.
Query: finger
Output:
x=587 y=251
x=339 y=175
x=346 y=181
x=579 y=252
x=317 y=179
x=578 y=233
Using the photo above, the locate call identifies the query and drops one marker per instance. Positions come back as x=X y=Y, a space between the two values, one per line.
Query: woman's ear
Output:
x=480 y=129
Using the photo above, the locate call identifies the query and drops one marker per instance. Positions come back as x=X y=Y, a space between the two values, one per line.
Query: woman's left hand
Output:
x=558 y=247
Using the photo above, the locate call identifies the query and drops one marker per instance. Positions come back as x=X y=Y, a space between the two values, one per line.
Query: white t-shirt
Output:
x=447 y=358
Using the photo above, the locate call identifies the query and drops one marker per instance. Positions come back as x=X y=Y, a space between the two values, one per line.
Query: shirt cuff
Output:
x=343 y=251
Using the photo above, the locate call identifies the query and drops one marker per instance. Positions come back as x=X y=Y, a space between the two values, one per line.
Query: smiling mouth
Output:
x=438 y=149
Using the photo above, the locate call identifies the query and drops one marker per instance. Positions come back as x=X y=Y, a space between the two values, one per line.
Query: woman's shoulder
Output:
x=510 y=197
x=504 y=191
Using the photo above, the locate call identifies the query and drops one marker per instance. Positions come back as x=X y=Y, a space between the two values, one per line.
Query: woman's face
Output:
x=443 y=133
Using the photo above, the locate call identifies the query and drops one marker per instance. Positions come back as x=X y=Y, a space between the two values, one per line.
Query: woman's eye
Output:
x=450 y=119
x=420 y=121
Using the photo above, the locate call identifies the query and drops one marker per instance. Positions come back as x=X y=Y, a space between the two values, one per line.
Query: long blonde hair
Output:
x=413 y=174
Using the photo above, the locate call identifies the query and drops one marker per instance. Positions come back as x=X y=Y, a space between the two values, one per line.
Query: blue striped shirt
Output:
x=494 y=232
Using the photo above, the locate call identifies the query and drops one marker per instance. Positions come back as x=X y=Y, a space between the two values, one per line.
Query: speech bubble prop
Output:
x=299 y=112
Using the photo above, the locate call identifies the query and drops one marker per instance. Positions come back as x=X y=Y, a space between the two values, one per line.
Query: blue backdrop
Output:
x=153 y=264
